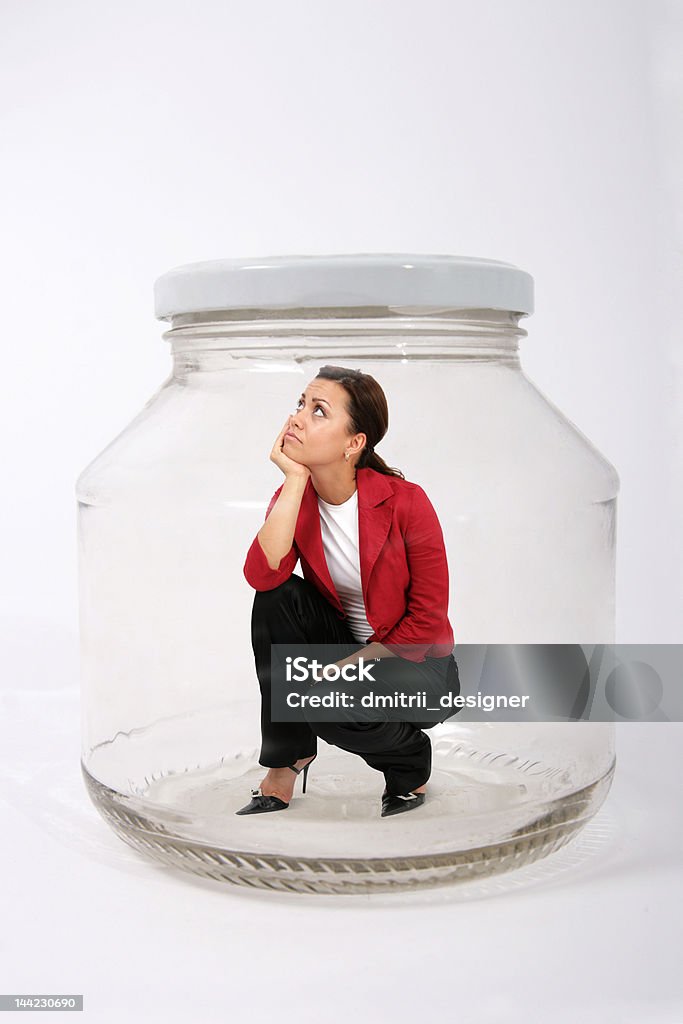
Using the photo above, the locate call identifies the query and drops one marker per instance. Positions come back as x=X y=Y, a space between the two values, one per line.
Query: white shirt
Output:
x=339 y=529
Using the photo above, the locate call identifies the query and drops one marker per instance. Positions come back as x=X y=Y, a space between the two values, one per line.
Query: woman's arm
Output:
x=258 y=566
x=271 y=558
x=277 y=533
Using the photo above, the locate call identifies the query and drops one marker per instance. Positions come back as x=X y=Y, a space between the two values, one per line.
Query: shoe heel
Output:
x=305 y=771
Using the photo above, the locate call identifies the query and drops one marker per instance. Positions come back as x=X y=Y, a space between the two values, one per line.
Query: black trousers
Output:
x=296 y=612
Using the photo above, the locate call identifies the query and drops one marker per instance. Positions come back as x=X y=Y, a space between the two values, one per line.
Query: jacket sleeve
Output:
x=428 y=594
x=257 y=572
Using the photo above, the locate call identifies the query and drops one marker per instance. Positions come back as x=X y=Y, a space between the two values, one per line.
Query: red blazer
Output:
x=403 y=566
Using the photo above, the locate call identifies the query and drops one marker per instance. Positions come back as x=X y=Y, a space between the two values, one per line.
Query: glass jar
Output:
x=168 y=510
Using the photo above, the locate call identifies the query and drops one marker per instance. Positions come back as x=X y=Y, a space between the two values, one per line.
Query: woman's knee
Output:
x=276 y=594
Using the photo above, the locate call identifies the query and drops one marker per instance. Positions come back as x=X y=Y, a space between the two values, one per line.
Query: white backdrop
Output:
x=139 y=136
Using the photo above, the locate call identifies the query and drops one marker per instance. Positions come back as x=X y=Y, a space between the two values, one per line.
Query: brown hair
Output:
x=368 y=411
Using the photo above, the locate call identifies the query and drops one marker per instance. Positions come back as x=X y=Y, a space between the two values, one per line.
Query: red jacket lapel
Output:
x=374 y=520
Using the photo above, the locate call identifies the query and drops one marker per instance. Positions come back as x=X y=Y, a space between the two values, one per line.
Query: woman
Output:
x=375 y=580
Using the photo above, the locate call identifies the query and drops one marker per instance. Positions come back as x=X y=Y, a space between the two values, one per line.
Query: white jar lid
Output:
x=403 y=281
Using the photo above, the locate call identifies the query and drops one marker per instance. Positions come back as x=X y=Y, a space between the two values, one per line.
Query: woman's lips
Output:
x=290 y=434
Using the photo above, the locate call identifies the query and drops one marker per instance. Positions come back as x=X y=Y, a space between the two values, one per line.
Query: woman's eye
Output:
x=300 y=402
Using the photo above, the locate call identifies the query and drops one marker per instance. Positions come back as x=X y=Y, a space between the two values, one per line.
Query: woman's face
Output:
x=320 y=425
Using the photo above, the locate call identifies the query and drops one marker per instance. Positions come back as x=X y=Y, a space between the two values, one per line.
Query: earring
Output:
x=346 y=456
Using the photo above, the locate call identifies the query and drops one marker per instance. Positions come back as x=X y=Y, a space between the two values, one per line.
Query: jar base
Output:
x=332 y=840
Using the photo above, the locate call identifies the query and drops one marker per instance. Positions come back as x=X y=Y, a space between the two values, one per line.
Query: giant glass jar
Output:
x=166 y=514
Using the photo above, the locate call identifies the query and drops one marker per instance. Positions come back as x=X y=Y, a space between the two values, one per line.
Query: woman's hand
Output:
x=371 y=652
x=288 y=466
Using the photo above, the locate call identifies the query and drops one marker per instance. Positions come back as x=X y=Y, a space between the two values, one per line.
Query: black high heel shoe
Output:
x=397 y=804
x=260 y=803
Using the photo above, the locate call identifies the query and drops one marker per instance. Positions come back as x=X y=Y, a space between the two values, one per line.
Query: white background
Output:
x=137 y=137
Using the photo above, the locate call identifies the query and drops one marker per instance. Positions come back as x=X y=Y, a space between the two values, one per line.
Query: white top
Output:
x=405 y=282
x=339 y=529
